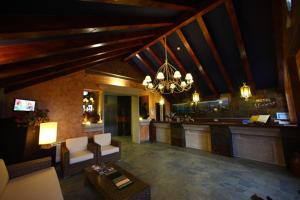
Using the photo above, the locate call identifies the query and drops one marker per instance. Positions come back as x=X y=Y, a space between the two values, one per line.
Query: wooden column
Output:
x=287 y=32
x=292 y=88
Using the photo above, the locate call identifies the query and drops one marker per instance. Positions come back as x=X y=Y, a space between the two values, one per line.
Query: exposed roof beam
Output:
x=28 y=26
x=154 y=56
x=197 y=62
x=240 y=42
x=21 y=52
x=30 y=36
x=145 y=3
x=98 y=71
x=48 y=77
x=59 y=70
x=186 y=20
x=215 y=52
x=38 y=64
x=146 y=64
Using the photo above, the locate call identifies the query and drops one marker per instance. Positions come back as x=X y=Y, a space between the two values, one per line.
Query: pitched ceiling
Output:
x=222 y=42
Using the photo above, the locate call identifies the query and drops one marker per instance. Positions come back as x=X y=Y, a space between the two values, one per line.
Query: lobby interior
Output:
x=185 y=99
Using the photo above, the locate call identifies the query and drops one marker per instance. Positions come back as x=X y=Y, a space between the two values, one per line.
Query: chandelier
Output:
x=168 y=79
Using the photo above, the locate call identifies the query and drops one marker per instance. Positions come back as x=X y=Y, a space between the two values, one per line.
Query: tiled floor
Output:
x=178 y=173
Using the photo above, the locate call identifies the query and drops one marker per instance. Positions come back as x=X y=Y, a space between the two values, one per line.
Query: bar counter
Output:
x=259 y=142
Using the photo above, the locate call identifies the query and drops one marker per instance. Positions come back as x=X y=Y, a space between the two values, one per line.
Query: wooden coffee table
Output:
x=138 y=190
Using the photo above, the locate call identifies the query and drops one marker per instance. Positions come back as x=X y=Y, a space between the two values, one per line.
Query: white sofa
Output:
x=34 y=180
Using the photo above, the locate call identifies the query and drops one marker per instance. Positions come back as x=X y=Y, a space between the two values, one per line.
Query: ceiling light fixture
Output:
x=245 y=92
x=196 y=97
x=168 y=79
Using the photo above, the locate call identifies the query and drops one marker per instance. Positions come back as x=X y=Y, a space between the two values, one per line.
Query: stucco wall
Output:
x=62 y=97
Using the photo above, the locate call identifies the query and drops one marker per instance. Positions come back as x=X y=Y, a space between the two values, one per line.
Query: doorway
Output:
x=117 y=115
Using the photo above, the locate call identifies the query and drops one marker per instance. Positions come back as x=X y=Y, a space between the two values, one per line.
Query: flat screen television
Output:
x=24 y=105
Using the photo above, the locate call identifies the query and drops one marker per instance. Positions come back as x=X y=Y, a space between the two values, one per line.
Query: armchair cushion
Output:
x=109 y=149
x=4 y=177
x=80 y=156
x=77 y=144
x=103 y=139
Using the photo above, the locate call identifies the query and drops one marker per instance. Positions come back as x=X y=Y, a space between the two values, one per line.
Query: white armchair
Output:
x=109 y=150
x=77 y=154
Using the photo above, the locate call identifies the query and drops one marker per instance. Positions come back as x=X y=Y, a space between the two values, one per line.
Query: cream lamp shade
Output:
x=48 y=133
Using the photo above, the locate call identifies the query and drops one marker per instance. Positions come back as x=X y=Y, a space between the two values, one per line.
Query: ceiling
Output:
x=223 y=43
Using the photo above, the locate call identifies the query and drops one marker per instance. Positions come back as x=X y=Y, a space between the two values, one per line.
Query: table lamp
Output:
x=48 y=133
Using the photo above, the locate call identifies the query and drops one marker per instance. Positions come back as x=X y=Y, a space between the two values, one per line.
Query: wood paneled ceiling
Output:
x=221 y=42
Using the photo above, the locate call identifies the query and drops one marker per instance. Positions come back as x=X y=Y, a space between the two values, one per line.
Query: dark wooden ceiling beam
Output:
x=154 y=56
x=215 y=53
x=14 y=24
x=21 y=35
x=21 y=52
x=55 y=75
x=75 y=66
x=240 y=43
x=146 y=4
x=180 y=23
x=197 y=62
x=146 y=64
x=43 y=63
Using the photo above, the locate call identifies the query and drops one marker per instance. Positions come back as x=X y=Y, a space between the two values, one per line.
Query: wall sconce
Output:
x=196 y=97
x=245 y=91
x=48 y=134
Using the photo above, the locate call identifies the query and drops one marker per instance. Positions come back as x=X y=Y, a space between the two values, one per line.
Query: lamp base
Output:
x=46 y=146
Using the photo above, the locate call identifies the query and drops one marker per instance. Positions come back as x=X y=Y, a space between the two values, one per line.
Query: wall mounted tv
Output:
x=24 y=105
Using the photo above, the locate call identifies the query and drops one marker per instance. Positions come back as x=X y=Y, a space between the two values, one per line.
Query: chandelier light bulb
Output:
x=160 y=76
x=172 y=86
x=177 y=74
x=183 y=84
x=160 y=86
x=150 y=86
x=145 y=83
x=148 y=79
x=188 y=76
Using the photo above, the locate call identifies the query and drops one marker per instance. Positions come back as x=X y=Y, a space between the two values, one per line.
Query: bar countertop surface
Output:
x=222 y=123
